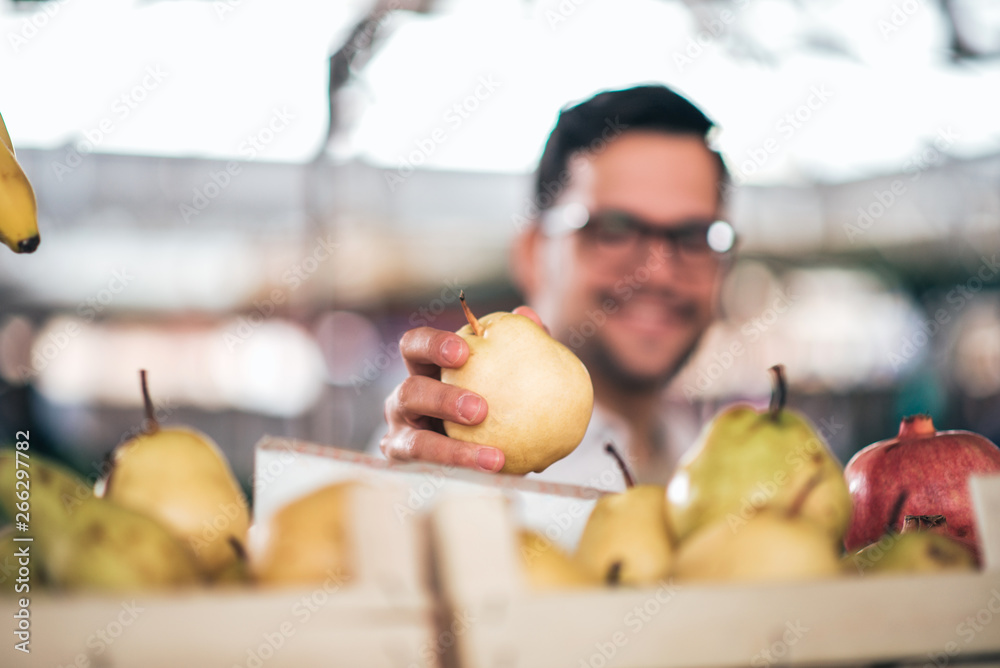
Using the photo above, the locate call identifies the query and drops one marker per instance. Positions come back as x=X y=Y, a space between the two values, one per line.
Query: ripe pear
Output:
x=538 y=393
x=745 y=460
x=770 y=546
x=308 y=541
x=55 y=491
x=180 y=477
x=110 y=547
x=83 y=542
x=548 y=566
x=922 y=546
x=626 y=539
x=238 y=572
x=10 y=563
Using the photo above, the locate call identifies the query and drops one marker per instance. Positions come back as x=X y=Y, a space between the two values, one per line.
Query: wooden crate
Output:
x=384 y=617
x=286 y=468
x=456 y=595
x=937 y=620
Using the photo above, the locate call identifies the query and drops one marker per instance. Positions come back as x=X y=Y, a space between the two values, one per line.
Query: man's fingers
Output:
x=420 y=397
x=430 y=446
x=426 y=349
x=529 y=312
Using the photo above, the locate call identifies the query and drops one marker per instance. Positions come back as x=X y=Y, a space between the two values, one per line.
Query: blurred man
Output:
x=623 y=263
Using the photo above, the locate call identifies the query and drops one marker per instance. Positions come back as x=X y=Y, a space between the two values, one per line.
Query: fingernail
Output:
x=451 y=351
x=488 y=458
x=469 y=407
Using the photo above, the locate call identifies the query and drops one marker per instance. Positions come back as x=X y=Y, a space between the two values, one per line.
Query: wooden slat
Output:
x=985 y=492
x=839 y=621
x=384 y=618
x=289 y=468
x=883 y=619
x=300 y=627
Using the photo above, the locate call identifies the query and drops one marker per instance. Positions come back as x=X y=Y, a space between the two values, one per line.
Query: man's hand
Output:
x=415 y=409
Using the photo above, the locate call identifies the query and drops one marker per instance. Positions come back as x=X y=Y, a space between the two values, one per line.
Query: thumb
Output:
x=529 y=312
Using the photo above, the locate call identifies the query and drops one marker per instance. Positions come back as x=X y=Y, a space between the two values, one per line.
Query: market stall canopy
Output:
x=803 y=92
x=854 y=127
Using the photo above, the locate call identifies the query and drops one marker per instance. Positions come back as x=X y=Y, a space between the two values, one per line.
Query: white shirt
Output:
x=590 y=465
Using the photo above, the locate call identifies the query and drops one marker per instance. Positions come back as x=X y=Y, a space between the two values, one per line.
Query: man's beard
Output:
x=606 y=365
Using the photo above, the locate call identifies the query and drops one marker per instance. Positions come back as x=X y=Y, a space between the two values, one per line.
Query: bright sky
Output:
x=231 y=78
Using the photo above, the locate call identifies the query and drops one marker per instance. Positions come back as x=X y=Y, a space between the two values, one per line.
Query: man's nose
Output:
x=661 y=258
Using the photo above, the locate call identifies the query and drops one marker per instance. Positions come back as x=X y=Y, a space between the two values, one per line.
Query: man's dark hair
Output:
x=589 y=125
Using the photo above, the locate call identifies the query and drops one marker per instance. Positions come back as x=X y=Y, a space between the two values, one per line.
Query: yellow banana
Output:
x=18 y=216
x=5 y=136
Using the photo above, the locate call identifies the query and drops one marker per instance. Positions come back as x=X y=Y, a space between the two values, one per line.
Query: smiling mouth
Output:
x=653 y=314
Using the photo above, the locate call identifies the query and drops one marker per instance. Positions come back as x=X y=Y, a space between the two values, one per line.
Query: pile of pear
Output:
x=760 y=497
x=169 y=515
x=80 y=541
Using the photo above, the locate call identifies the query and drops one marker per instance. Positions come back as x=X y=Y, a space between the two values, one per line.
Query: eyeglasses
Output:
x=618 y=234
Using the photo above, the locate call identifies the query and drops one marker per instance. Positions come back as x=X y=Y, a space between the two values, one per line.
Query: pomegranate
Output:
x=919 y=472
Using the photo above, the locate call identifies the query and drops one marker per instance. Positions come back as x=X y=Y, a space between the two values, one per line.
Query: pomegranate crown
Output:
x=916 y=426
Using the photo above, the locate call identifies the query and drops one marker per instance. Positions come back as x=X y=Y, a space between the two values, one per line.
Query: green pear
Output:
x=109 y=547
x=237 y=572
x=56 y=492
x=83 y=542
x=307 y=541
x=538 y=393
x=775 y=543
x=547 y=566
x=627 y=539
x=42 y=486
x=10 y=564
x=922 y=546
x=180 y=477
x=770 y=546
x=745 y=460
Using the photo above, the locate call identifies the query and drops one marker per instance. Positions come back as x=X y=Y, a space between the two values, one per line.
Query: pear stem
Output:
x=237 y=547
x=614 y=574
x=779 y=390
x=629 y=480
x=151 y=425
x=473 y=322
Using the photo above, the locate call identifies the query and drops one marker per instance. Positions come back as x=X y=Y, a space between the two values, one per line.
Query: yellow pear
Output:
x=770 y=546
x=745 y=460
x=308 y=540
x=548 y=566
x=83 y=542
x=922 y=546
x=56 y=492
x=44 y=487
x=538 y=393
x=113 y=548
x=180 y=477
x=626 y=539
x=12 y=557
x=776 y=543
x=238 y=572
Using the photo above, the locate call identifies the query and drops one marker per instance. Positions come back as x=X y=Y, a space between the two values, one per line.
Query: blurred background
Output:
x=253 y=200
